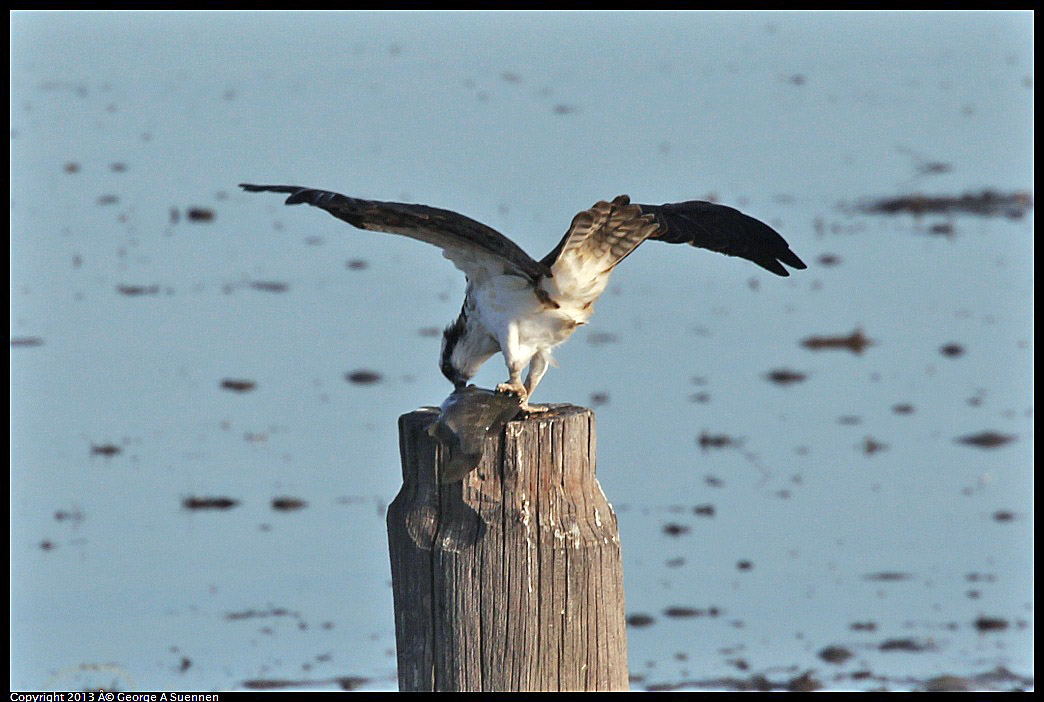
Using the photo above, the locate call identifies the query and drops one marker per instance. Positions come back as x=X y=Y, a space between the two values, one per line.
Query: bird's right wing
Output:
x=708 y=225
x=474 y=248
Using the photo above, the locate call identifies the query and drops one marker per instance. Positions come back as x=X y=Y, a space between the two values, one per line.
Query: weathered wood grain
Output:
x=510 y=580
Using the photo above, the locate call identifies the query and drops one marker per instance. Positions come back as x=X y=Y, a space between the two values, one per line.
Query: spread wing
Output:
x=697 y=223
x=725 y=230
x=474 y=248
x=602 y=236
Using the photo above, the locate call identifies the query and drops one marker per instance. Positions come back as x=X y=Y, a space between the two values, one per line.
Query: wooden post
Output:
x=510 y=580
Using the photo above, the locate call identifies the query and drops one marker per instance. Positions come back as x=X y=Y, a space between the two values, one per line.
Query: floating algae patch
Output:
x=784 y=376
x=200 y=214
x=270 y=286
x=197 y=503
x=363 y=377
x=107 y=450
x=986 y=439
x=288 y=504
x=238 y=385
x=856 y=342
x=987 y=203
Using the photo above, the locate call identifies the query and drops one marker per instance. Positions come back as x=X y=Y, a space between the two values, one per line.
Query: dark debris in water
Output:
x=783 y=376
x=640 y=620
x=888 y=576
x=288 y=504
x=262 y=614
x=999 y=679
x=977 y=399
x=200 y=214
x=26 y=341
x=347 y=683
x=272 y=286
x=196 y=503
x=363 y=377
x=987 y=203
x=137 y=290
x=986 y=439
x=679 y=612
x=835 y=654
x=984 y=624
x=856 y=342
x=805 y=682
x=108 y=450
x=716 y=441
x=948 y=683
x=74 y=516
x=872 y=446
x=980 y=577
x=907 y=645
x=951 y=350
x=238 y=385
x=674 y=529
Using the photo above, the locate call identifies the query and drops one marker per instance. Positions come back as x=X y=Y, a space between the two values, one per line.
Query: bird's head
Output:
x=450 y=359
x=465 y=347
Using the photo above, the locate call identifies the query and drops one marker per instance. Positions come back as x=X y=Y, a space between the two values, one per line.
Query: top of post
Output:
x=475 y=430
x=556 y=410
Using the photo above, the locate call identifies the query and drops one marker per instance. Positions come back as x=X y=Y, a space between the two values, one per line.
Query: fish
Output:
x=467 y=419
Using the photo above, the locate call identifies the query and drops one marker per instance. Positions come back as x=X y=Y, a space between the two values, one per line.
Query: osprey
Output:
x=524 y=308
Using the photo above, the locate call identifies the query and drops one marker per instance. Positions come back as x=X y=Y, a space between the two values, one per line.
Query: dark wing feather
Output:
x=719 y=228
x=472 y=246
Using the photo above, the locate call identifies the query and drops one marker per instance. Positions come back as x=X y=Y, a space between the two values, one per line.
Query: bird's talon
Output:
x=519 y=391
x=513 y=389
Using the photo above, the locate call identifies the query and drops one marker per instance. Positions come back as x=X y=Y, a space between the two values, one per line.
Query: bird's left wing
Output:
x=473 y=247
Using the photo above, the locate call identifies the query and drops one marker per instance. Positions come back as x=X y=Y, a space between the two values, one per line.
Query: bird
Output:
x=523 y=308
